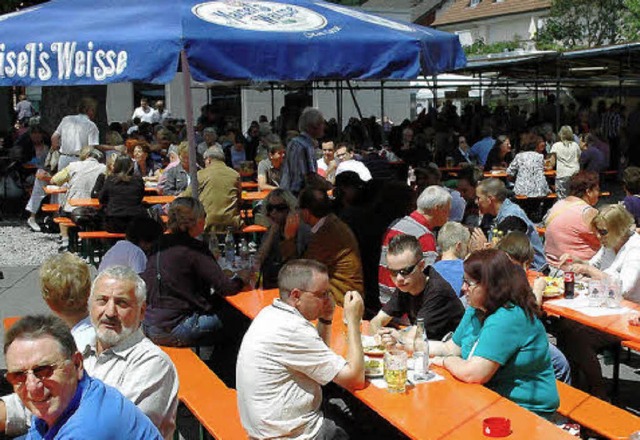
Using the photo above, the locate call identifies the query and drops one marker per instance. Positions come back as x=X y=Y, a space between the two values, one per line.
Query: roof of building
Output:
x=417 y=8
x=461 y=11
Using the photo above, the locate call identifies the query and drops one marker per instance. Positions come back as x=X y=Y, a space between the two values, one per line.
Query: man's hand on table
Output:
x=389 y=337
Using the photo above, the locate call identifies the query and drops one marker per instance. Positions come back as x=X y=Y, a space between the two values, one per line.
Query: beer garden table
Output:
x=437 y=410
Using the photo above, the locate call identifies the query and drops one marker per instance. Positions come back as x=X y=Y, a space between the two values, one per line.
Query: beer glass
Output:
x=395 y=370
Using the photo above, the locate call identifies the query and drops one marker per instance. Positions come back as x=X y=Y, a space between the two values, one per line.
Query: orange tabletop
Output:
x=616 y=325
x=444 y=409
x=254 y=196
x=53 y=189
x=449 y=169
x=249 y=185
x=151 y=189
x=153 y=200
x=150 y=200
x=503 y=173
x=92 y=203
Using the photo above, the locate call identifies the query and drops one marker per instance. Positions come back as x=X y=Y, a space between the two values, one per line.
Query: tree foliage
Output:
x=590 y=23
x=479 y=47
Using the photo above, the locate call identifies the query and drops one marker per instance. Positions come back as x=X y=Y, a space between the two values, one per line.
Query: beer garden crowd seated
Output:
x=377 y=244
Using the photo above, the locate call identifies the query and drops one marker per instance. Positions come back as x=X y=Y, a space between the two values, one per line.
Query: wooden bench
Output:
x=88 y=247
x=632 y=345
x=50 y=207
x=595 y=414
x=207 y=397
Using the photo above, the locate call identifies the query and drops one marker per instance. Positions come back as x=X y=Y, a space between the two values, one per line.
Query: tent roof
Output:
x=598 y=65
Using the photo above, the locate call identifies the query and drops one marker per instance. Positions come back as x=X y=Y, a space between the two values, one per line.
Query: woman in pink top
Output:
x=568 y=223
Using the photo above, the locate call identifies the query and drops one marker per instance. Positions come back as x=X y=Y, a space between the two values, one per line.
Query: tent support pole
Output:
x=191 y=135
x=355 y=101
x=339 y=105
x=381 y=101
x=557 y=103
x=273 y=103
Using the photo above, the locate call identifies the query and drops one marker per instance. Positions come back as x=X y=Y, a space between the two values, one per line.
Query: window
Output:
x=474 y=3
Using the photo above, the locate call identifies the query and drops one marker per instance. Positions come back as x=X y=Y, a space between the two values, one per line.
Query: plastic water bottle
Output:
x=420 y=351
x=229 y=247
x=244 y=254
x=214 y=245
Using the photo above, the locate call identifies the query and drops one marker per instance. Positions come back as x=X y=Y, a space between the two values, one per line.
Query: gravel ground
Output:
x=19 y=246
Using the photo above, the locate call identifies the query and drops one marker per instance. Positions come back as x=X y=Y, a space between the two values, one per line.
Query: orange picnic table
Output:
x=500 y=174
x=437 y=410
x=616 y=325
x=249 y=185
x=254 y=196
x=149 y=200
x=54 y=189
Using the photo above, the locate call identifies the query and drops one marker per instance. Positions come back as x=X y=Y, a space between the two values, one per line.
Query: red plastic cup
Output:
x=496 y=427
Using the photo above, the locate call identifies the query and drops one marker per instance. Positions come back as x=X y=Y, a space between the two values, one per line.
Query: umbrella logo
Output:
x=370 y=18
x=260 y=16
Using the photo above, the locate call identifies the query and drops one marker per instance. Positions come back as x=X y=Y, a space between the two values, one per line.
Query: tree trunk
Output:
x=58 y=102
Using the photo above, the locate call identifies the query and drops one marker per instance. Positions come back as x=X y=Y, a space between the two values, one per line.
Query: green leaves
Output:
x=576 y=24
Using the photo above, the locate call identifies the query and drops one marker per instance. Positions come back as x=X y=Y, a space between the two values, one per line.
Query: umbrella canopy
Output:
x=300 y=40
x=74 y=42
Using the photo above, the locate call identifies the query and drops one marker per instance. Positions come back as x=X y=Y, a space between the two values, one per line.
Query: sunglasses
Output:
x=405 y=271
x=279 y=207
x=41 y=372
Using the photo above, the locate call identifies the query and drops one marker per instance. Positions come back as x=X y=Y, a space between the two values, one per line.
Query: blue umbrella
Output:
x=84 y=42
x=72 y=42
x=298 y=40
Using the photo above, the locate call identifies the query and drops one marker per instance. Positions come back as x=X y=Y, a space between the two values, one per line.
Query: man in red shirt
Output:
x=434 y=205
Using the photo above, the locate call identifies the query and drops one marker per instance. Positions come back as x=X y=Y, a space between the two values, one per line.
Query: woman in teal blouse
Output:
x=500 y=341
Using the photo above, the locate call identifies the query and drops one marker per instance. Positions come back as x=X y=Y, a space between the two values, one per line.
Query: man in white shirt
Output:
x=284 y=359
x=121 y=355
x=145 y=112
x=141 y=233
x=162 y=113
x=347 y=162
x=75 y=132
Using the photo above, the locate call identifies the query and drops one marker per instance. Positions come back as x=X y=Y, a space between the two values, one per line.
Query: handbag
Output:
x=86 y=217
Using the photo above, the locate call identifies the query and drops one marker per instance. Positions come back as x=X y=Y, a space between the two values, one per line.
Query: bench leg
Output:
x=616 y=371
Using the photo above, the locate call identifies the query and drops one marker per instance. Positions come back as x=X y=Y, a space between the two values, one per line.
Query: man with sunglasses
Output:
x=118 y=353
x=284 y=359
x=46 y=371
x=420 y=293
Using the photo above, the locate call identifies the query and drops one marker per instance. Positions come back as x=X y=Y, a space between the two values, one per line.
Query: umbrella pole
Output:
x=191 y=135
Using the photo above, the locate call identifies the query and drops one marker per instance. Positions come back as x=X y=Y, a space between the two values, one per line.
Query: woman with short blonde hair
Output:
x=565 y=157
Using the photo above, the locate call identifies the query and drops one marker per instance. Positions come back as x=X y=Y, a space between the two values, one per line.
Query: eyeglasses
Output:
x=470 y=283
x=405 y=271
x=341 y=155
x=41 y=372
x=281 y=207
x=319 y=295
x=602 y=232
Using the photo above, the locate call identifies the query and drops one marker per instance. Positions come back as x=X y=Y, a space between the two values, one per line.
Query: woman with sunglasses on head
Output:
x=278 y=204
x=500 y=341
x=619 y=255
x=618 y=258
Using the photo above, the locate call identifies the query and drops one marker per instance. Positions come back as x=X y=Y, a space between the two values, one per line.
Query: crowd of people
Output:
x=360 y=219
